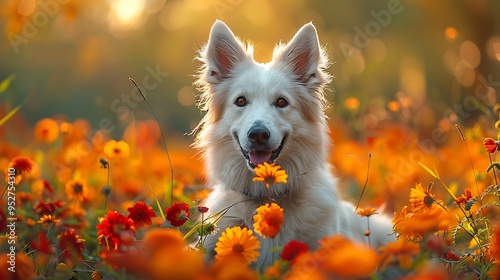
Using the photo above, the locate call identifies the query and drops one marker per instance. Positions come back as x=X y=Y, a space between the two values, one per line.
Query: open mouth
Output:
x=255 y=157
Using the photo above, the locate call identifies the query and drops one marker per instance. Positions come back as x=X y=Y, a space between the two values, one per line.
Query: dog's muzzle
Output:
x=260 y=150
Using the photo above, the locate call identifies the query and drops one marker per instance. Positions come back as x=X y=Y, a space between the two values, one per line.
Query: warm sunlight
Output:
x=250 y=139
x=125 y=13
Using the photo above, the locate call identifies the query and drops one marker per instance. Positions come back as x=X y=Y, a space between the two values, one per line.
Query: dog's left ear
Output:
x=304 y=54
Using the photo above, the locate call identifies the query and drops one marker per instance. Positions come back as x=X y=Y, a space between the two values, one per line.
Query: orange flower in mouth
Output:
x=268 y=220
x=238 y=242
x=269 y=174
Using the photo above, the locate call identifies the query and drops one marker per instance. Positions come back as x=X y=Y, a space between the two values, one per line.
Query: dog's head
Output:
x=261 y=111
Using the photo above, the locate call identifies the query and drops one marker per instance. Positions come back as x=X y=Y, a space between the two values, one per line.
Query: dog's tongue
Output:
x=259 y=157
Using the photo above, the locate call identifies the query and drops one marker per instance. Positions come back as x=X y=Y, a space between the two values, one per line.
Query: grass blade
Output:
x=433 y=173
x=4 y=85
x=12 y=112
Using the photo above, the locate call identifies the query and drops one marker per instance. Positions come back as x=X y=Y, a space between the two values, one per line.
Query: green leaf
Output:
x=494 y=164
x=4 y=85
x=12 y=112
x=158 y=204
x=433 y=173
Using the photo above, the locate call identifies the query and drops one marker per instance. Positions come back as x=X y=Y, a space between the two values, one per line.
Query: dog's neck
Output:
x=272 y=194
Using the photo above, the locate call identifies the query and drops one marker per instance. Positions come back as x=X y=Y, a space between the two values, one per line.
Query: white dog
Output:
x=273 y=112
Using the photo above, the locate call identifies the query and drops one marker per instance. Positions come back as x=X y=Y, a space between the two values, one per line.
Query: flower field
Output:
x=78 y=204
x=101 y=180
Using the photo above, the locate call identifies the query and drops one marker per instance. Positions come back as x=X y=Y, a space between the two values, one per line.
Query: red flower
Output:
x=113 y=228
x=450 y=256
x=47 y=186
x=21 y=164
x=71 y=246
x=292 y=249
x=141 y=214
x=42 y=245
x=490 y=145
x=42 y=208
x=3 y=220
x=462 y=199
x=178 y=214
x=202 y=209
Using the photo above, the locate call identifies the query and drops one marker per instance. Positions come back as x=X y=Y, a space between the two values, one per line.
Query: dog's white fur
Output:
x=312 y=205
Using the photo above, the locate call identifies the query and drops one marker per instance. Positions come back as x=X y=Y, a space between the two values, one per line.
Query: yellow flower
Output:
x=237 y=242
x=47 y=220
x=268 y=220
x=269 y=174
x=421 y=199
x=366 y=212
x=116 y=149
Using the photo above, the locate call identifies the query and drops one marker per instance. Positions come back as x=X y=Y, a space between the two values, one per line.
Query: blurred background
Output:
x=405 y=72
x=420 y=62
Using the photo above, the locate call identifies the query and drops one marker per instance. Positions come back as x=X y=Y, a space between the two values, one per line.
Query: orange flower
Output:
x=491 y=145
x=433 y=219
x=237 y=242
x=228 y=268
x=47 y=220
x=76 y=189
x=269 y=174
x=113 y=228
x=115 y=149
x=342 y=253
x=366 y=212
x=24 y=268
x=421 y=199
x=462 y=199
x=268 y=220
x=334 y=260
x=161 y=255
x=46 y=130
x=21 y=164
x=400 y=251
x=351 y=103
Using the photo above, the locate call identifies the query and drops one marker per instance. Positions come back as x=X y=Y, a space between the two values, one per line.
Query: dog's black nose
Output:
x=259 y=135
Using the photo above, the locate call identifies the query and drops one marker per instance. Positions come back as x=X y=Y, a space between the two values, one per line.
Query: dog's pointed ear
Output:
x=222 y=53
x=304 y=54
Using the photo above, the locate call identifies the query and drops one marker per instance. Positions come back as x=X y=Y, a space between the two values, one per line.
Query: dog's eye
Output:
x=241 y=101
x=281 y=102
